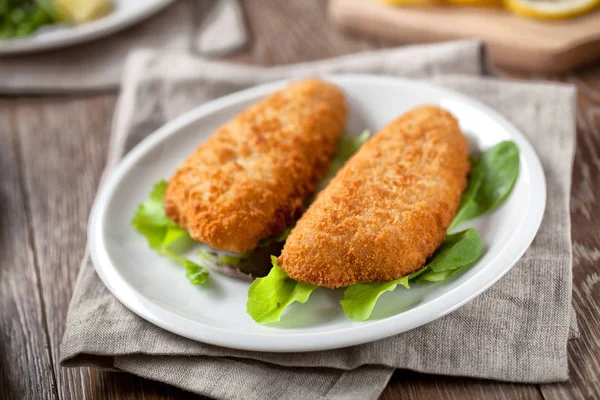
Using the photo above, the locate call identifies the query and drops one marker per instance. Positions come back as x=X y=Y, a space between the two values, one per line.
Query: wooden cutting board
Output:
x=512 y=41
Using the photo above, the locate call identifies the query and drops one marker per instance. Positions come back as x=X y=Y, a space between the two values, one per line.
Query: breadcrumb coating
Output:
x=388 y=209
x=250 y=179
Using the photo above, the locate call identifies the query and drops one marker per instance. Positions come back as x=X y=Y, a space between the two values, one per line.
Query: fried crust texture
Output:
x=250 y=179
x=387 y=210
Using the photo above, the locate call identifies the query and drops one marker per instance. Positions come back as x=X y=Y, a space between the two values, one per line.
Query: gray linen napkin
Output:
x=187 y=25
x=516 y=331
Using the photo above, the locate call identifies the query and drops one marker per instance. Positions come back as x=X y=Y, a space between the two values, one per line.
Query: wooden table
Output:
x=52 y=151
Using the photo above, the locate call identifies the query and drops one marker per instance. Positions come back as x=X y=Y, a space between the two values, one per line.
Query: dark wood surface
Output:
x=52 y=151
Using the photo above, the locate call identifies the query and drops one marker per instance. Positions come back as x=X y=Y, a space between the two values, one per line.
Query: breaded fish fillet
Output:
x=251 y=178
x=388 y=208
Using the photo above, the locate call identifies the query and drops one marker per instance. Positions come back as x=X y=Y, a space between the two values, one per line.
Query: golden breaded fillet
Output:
x=251 y=178
x=388 y=208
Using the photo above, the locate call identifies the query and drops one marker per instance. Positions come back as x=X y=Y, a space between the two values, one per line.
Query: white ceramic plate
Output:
x=125 y=13
x=156 y=289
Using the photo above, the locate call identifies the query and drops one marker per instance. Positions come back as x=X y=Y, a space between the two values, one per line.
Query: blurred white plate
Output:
x=156 y=289
x=124 y=14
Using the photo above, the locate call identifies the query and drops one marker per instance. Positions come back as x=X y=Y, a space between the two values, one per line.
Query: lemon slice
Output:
x=551 y=9
x=80 y=11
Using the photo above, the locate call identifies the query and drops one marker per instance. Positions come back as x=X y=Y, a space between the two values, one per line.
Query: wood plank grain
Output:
x=25 y=362
x=64 y=144
x=63 y=147
x=413 y=385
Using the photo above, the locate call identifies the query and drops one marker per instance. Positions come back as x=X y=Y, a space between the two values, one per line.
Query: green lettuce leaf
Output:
x=492 y=178
x=359 y=300
x=165 y=236
x=269 y=296
x=458 y=251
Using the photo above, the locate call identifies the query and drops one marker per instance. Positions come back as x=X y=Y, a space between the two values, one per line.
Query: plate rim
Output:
x=92 y=30
x=290 y=342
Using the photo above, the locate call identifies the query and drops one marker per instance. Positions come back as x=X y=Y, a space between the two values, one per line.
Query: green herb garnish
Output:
x=164 y=235
x=269 y=296
x=20 y=18
x=493 y=176
x=459 y=250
